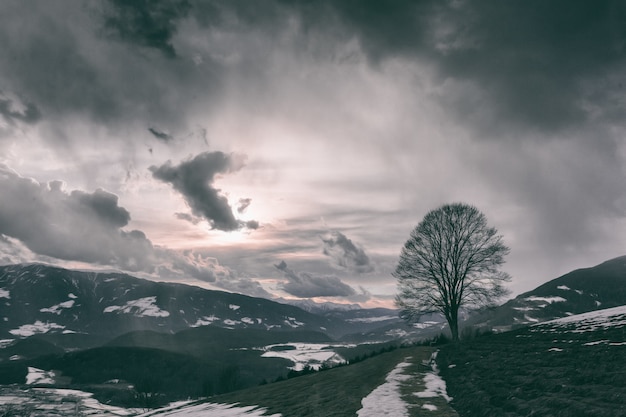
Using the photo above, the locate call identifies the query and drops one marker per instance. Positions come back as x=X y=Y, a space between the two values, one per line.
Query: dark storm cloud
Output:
x=86 y=227
x=533 y=65
x=77 y=70
x=306 y=285
x=194 y=178
x=145 y=23
x=160 y=135
x=346 y=254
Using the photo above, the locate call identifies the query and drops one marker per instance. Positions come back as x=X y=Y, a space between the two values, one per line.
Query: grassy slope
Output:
x=516 y=374
x=336 y=392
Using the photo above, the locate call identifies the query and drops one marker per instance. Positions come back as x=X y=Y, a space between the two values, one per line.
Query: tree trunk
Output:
x=453 y=323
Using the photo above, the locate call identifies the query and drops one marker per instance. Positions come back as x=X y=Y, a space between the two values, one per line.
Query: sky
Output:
x=287 y=148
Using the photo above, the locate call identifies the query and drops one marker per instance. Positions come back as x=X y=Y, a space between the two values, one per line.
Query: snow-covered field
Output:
x=208 y=409
x=56 y=402
x=27 y=330
x=39 y=376
x=586 y=322
x=305 y=354
x=141 y=308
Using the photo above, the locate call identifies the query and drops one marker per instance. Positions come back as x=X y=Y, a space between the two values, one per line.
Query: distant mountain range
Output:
x=37 y=299
x=86 y=329
x=580 y=291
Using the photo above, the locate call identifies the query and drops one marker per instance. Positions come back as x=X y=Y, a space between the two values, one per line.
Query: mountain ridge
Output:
x=578 y=291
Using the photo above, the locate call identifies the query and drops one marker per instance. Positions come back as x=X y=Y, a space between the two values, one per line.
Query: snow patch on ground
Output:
x=429 y=407
x=5 y=342
x=209 y=409
x=586 y=322
x=72 y=296
x=563 y=287
x=385 y=400
x=292 y=322
x=549 y=300
x=555 y=349
x=5 y=293
x=234 y=307
x=28 y=330
x=205 y=321
x=435 y=385
x=39 y=376
x=304 y=354
x=426 y=324
x=56 y=309
x=597 y=342
x=372 y=319
x=141 y=308
x=57 y=402
x=530 y=319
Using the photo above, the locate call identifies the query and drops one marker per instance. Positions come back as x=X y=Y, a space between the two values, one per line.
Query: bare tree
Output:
x=451 y=260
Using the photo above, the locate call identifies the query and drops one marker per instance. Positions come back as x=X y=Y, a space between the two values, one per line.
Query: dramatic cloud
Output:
x=146 y=23
x=305 y=285
x=73 y=226
x=346 y=254
x=194 y=179
x=86 y=227
x=566 y=56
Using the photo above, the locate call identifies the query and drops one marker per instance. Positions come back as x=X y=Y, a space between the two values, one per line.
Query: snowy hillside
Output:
x=37 y=299
x=583 y=290
x=587 y=322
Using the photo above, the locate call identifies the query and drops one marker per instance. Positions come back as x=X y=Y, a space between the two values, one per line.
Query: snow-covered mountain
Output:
x=580 y=291
x=37 y=299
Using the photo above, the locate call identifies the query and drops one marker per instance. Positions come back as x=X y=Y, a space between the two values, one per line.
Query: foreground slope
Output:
x=571 y=366
x=393 y=383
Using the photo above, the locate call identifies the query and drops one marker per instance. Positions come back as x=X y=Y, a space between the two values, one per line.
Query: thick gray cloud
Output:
x=346 y=254
x=305 y=285
x=150 y=24
x=535 y=65
x=99 y=69
x=87 y=227
x=73 y=226
x=194 y=179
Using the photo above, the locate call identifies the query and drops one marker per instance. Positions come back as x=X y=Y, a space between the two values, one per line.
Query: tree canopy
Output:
x=451 y=260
